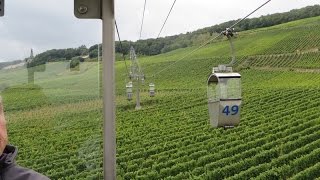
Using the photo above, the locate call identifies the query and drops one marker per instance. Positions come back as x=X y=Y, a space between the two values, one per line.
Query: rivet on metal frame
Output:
x=82 y=9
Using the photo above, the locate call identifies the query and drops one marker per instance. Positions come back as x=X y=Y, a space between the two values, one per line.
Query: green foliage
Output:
x=55 y=55
x=93 y=54
x=93 y=51
x=162 y=45
x=24 y=97
x=59 y=131
x=75 y=64
x=269 y=20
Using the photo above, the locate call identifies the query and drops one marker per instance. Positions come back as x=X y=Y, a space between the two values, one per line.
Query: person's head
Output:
x=3 y=129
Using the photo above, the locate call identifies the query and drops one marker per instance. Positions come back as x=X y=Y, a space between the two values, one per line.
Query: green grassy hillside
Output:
x=60 y=133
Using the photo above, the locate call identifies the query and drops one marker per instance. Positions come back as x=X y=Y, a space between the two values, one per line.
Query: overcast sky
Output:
x=50 y=24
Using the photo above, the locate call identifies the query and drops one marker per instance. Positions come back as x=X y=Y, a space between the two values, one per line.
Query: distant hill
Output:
x=11 y=63
x=169 y=43
x=294 y=45
x=151 y=47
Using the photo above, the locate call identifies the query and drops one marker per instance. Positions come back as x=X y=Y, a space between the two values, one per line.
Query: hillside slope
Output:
x=60 y=135
x=293 y=45
x=278 y=134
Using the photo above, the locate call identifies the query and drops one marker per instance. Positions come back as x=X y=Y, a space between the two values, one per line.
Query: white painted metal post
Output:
x=99 y=72
x=108 y=59
x=138 y=106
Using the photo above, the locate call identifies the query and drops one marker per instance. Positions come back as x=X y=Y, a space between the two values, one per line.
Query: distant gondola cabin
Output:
x=224 y=97
x=129 y=90
x=152 y=90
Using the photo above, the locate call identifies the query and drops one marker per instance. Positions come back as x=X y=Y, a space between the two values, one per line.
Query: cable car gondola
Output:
x=224 y=91
x=224 y=97
x=152 y=92
x=129 y=90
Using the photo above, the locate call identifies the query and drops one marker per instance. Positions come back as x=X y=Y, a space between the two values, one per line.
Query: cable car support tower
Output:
x=136 y=75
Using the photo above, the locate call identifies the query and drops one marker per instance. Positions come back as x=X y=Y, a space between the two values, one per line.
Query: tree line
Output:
x=151 y=47
x=162 y=45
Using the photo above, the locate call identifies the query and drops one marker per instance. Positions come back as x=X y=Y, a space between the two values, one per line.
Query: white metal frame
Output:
x=108 y=60
x=104 y=9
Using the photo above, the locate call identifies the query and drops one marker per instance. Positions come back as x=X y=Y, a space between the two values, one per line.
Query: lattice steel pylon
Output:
x=136 y=74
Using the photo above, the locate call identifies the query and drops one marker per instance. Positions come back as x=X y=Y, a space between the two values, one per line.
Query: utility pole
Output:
x=104 y=9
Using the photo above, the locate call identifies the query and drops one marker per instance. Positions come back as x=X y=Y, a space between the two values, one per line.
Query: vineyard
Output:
x=56 y=123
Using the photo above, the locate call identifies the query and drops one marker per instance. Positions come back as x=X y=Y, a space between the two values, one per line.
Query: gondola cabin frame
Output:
x=152 y=90
x=224 y=97
x=129 y=90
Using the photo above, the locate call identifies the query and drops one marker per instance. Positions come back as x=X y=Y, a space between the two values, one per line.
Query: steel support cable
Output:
x=166 y=18
x=121 y=49
x=233 y=54
x=144 y=10
x=141 y=27
x=210 y=40
x=249 y=14
x=183 y=57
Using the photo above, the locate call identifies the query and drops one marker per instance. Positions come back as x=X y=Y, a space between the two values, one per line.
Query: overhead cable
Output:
x=166 y=18
x=144 y=10
x=210 y=40
x=121 y=48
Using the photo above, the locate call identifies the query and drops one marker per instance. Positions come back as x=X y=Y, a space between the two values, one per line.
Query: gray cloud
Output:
x=49 y=24
x=43 y=25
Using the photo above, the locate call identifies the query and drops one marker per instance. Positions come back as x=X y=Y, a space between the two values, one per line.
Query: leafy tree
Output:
x=74 y=63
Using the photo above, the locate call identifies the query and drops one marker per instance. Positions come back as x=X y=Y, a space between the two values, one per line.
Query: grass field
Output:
x=57 y=122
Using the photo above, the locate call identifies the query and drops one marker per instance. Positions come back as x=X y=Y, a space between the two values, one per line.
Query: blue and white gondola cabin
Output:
x=224 y=97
